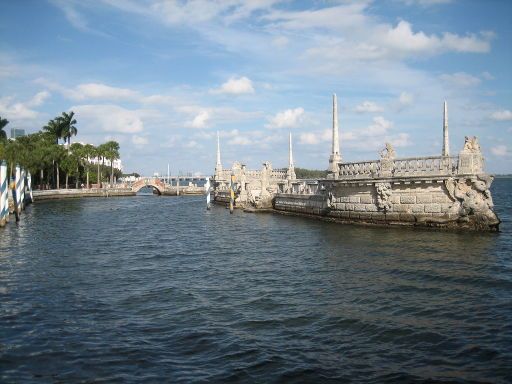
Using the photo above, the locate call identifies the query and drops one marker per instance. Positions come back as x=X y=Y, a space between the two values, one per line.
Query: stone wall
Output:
x=448 y=202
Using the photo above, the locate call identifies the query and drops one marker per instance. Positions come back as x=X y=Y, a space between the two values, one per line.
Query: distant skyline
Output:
x=162 y=77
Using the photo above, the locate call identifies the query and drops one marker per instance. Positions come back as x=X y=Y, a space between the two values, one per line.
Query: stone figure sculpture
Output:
x=471 y=144
x=383 y=196
x=388 y=153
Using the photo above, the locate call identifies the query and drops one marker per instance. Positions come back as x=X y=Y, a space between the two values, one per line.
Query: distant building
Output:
x=117 y=163
x=16 y=132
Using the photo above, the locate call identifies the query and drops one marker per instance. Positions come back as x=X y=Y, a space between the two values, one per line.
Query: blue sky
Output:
x=161 y=77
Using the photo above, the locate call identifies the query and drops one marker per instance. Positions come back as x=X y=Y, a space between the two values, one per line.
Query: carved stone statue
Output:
x=388 y=152
x=471 y=144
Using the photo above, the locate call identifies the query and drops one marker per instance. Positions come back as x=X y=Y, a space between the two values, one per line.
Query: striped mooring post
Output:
x=232 y=193
x=23 y=185
x=17 y=186
x=4 y=202
x=207 y=191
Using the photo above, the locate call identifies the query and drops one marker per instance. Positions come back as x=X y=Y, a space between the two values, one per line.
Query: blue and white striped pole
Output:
x=207 y=189
x=23 y=187
x=4 y=202
x=17 y=180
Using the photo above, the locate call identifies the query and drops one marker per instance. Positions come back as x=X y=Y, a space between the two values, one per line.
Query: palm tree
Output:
x=101 y=151
x=68 y=127
x=55 y=128
x=88 y=151
x=112 y=153
x=3 y=123
x=77 y=158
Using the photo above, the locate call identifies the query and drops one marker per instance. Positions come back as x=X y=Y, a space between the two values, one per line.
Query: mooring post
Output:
x=207 y=189
x=232 y=192
x=29 y=185
x=4 y=203
x=22 y=189
x=177 y=185
x=17 y=186
x=15 y=195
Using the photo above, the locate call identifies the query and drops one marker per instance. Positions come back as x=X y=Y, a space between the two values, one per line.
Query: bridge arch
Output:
x=156 y=184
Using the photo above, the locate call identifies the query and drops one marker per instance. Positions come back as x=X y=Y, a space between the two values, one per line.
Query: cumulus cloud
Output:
x=22 y=110
x=500 y=150
x=109 y=118
x=90 y=91
x=200 y=120
x=460 y=79
x=236 y=86
x=368 y=106
x=288 y=118
x=503 y=115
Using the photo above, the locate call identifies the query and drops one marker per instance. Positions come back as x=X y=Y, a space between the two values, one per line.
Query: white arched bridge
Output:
x=176 y=185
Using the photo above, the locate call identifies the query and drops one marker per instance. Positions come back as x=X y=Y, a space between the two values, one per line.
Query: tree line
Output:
x=49 y=162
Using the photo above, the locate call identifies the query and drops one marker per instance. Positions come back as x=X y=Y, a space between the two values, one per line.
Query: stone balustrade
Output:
x=405 y=167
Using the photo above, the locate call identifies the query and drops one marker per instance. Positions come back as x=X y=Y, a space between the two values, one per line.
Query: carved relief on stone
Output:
x=384 y=192
x=471 y=196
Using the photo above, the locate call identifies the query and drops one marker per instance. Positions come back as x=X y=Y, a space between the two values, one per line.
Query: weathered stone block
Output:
x=408 y=217
x=339 y=206
x=366 y=199
x=370 y=208
x=432 y=208
x=407 y=199
x=392 y=216
x=343 y=199
x=424 y=198
x=359 y=207
x=395 y=199
x=378 y=216
x=440 y=199
x=402 y=207
x=418 y=208
x=365 y=216
x=354 y=199
x=354 y=215
x=349 y=207
x=345 y=215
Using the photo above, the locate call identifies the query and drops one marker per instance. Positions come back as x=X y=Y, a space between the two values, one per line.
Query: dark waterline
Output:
x=157 y=289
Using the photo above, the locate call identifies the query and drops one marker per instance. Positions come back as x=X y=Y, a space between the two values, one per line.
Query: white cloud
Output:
x=286 y=119
x=200 y=120
x=236 y=86
x=109 y=118
x=380 y=126
x=93 y=91
x=426 y=3
x=38 y=99
x=240 y=140
x=139 y=140
x=313 y=138
x=368 y=106
x=14 y=111
x=503 y=115
x=500 y=150
x=460 y=79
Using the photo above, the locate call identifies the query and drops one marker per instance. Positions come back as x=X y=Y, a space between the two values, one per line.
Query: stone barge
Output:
x=449 y=192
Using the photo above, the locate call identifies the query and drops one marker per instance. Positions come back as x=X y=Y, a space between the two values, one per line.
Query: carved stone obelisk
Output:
x=218 y=165
x=290 y=175
x=446 y=143
x=335 y=157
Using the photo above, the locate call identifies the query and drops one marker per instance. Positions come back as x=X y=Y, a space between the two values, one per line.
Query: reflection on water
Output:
x=159 y=289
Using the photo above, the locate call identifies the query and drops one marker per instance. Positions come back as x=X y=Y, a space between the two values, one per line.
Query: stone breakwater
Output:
x=462 y=203
x=434 y=191
x=54 y=194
